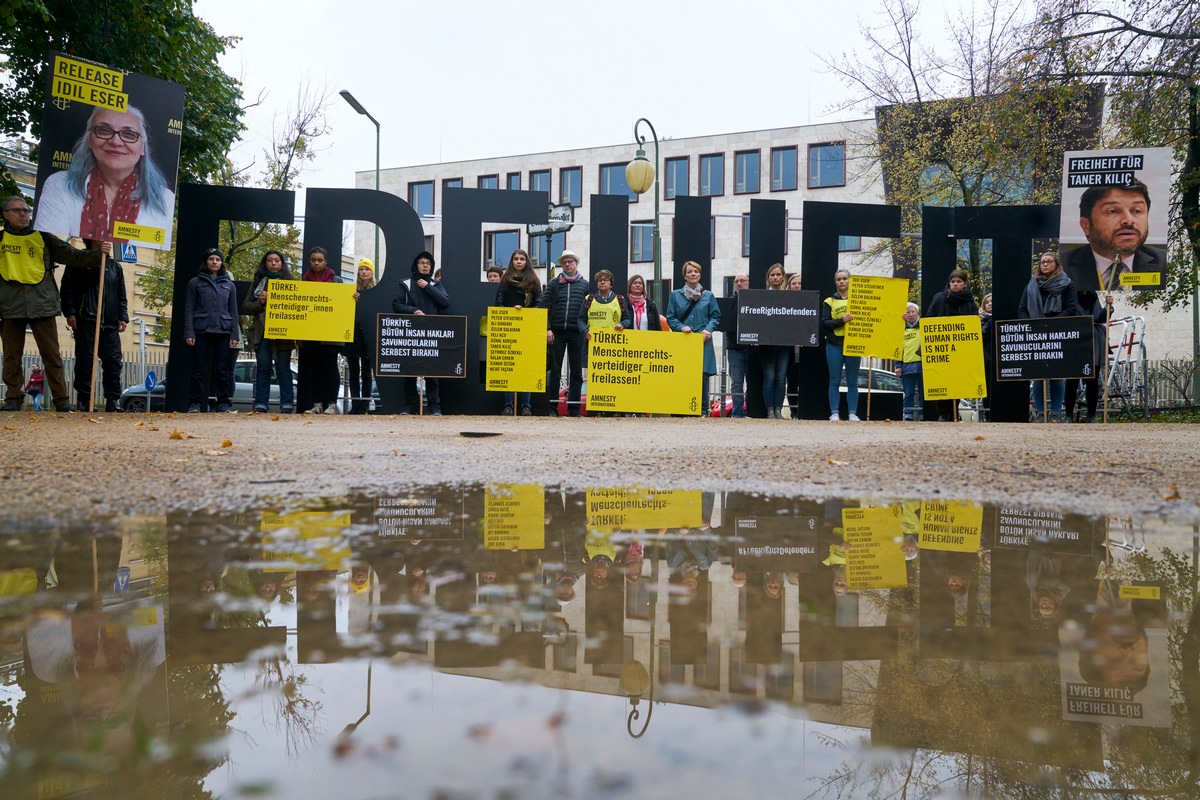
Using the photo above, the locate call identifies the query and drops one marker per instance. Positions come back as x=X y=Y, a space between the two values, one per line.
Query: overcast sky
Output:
x=455 y=80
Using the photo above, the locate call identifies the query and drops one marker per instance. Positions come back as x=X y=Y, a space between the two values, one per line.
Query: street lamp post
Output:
x=357 y=106
x=640 y=174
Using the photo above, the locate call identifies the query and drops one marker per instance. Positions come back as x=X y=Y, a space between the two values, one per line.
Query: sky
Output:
x=457 y=80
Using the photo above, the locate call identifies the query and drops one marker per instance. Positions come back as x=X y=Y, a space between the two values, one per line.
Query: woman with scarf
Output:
x=318 y=367
x=210 y=328
x=269 y=353
x=1050 y=293
x=693 y=309
x=519 y=287
x=955 y=300
x=640 y=312
x=357 y=353
x=834 y=316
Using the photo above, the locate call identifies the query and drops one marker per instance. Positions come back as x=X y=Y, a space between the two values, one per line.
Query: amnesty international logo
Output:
x=61 y=103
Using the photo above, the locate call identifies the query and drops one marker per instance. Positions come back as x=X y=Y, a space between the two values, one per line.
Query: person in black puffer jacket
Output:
x=421 y=294
x=955 y=300
x=563 y=299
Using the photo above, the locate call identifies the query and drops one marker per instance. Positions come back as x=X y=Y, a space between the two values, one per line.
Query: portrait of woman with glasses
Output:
x=112 y=178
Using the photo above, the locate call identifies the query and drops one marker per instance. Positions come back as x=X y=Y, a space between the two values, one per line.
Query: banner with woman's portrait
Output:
x=109 y=154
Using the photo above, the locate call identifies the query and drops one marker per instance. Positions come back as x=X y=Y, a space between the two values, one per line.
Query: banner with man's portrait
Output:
x=1113 y=228
x=109 y=154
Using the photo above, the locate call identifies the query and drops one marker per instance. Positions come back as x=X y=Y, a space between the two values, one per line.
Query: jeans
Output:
x=774 y=366
x=269 y=354
x=914 y=399
x=1058 y=390
x=211 y=356
x=571 y=343
x=836 y=360
x=737 y=380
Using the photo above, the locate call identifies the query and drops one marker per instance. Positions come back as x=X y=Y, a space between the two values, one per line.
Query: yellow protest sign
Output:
x=514 y=516
x=952 y=357
x=310 y=311
x=516 y=349
x=645 y=372
x=139 y=233
x=88 y=83
x=953 y=525
x=305 y=540
x=877 y=305
x=873 y=556
x=1140 y=592
x=635 y=508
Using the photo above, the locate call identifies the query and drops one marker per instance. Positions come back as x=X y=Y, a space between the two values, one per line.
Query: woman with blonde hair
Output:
x=1049 y=293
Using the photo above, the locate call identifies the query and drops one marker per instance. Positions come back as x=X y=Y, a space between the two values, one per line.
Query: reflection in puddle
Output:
x=509 y=640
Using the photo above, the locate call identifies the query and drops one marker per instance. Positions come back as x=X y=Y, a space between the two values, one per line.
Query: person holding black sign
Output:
x=955 y=300
x=1099 y=307
x=519 y=288
x=774 y=358
x=268 y=353
x=834 y=316
x=1050 y=293
x=420 y=294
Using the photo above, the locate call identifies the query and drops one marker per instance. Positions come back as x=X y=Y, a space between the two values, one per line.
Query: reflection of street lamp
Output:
x=640 y=175
x=357 y=106
x=353 y=726
x=634 y=681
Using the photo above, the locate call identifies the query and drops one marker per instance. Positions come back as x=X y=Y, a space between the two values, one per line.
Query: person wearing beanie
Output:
x=420 y=294
x=563 y=299
x=210 y=327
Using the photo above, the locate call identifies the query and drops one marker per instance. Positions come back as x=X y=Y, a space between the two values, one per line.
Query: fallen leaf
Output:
x=1173 y=494
x=226 y=443
x=9 y=428
x=275 y=418
x=979 y=438
x=93 y=421
x=175 y=434
x=833 y=462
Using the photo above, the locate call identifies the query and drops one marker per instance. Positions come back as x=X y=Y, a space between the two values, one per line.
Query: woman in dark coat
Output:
x=955 y=300
x=1049 y=293
x=210 y=327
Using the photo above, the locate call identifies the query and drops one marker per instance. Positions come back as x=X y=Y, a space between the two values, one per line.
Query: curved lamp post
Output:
x=640 y=175
x=357 y=106
x=634 y=682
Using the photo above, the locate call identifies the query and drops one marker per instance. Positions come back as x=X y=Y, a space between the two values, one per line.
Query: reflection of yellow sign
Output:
x=88 y=83
x=952 y=357
x=138 y=233
x=311 y=311
x=516 y=349
x=877 y=305
x=643 y=509
x=514 y=516
x=1140 y=279
x=305 y=539
x=645 y=371
x=873 y=556
x=954 y=526
x=1140 y=593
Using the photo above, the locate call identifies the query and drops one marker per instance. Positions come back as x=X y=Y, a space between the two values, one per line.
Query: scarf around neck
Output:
x=1044 y=295
x=96 y=220
x=693 y=294
x=638 y=304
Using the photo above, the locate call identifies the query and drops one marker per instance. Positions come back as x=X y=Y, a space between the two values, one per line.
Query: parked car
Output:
x=562 y=400
x=882 y=382
x=244 y=369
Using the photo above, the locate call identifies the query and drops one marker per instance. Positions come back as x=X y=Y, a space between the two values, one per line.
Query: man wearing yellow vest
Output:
x=29 y=297
x=909 y=370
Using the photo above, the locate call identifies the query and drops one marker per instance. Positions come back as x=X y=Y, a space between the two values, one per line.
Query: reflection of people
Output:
x=269 y=352
x=112 y=178
x=1115 y=220
x=80 y=297
x=210 y=327
x=29 y=298
x=421 y=295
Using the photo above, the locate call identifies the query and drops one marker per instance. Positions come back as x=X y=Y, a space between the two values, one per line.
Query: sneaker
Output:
x=316 y=409
x=854 y=418
x=224 y=408
x=526 y=411
x=834 y=418
x=435 y=412
x=330 y=409
x=112 y=406
x=407 y=411
x=507 y=411
x=287 y=409
x=64 y=408
x=11 y=405
x=194 y=408
x=261 y=409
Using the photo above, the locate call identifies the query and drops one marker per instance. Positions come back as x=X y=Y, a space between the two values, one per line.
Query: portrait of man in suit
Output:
x=1115 y=220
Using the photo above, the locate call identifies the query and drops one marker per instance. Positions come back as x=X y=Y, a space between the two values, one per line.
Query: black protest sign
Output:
x=436 y=515
x=777 y=544
x=1025 y=528
x=425 y=345
x=1047 y=348
x=780 y=318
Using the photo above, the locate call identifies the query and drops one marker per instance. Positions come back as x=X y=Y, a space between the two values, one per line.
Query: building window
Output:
x=428 y=244
x=677 y=178
x=452 y=183
x=539 y=180
x=612 y=181
x=641 y=241
x=514 y=181
x=826 y=165
x=745 y=235
x=712 y=175
x=783 y=169
x=570 y=186
x=537 y=248
x=420 y=197
x=498 y=246
x=849 y=244
x=745 y=172
x=489 y=181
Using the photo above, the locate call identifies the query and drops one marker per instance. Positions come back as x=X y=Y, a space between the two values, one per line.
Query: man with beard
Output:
x=1115 y=220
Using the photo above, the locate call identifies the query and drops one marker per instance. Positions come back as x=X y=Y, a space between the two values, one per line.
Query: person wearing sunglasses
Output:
x=112 y=178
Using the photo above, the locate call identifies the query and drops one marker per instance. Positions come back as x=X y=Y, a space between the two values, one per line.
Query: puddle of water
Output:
x=513 y=641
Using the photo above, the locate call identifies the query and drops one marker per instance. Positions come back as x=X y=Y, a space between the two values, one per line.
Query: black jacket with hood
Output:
x=411 y=298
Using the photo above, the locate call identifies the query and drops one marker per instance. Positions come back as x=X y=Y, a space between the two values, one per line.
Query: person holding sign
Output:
x=774 y=358
x=210 y=326
x=909 y=370
x=794 y=284
x=318 y=368
x=955 y=300
x=693 y=309
x=420 y=294
x=834 y=317
x=1050 y=293
x=269 y=353
x=112 y=178
x=358 y=356
x=519 y=288
x=82 y=307
x=603 y=310
x=564 y=301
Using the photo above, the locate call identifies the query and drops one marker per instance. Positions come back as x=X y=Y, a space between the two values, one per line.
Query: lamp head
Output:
x=639 y=173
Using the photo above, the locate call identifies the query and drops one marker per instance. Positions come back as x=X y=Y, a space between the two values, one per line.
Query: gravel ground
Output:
x=67 y=468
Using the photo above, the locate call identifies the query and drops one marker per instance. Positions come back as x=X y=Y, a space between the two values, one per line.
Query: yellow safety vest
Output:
x=22 y=258
x=603 y=316
x=912 y=344
x=837 y=310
